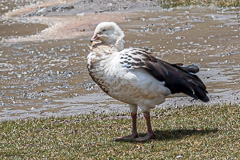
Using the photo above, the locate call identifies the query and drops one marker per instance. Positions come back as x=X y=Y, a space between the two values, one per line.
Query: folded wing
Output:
x=177 y=78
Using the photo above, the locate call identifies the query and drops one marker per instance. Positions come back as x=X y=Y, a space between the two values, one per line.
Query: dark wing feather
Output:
x=190 y=68
x=178 y=78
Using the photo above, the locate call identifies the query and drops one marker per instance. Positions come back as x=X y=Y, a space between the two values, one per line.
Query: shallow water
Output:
x=46 y=77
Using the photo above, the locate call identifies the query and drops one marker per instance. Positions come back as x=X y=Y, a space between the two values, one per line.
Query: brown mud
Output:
x=44 y=48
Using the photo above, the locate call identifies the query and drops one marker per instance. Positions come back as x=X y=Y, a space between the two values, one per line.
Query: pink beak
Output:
x=94 y=38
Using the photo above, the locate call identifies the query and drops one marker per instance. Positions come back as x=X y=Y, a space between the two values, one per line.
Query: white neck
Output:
x=119 y=44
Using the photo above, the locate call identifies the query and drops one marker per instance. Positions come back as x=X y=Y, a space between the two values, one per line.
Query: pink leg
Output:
x=150 y=134
x=134 y=125
x=134 y=130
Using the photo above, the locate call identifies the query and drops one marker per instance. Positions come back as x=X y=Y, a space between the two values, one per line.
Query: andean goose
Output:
x=136 y=77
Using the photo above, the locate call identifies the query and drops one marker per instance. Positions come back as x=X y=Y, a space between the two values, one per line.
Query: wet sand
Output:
x=43 y=62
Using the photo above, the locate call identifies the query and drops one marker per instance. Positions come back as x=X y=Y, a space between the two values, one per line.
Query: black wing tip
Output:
x=192 y=69
x=205 y=99
x=201 y=94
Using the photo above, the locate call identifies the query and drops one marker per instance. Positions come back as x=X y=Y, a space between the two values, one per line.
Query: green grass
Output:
x=196 y=132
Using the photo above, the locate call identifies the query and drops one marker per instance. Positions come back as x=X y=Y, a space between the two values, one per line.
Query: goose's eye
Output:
x=104 y=30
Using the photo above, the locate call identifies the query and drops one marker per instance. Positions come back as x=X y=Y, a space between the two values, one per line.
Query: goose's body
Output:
x=119 y=78
x=135 y=77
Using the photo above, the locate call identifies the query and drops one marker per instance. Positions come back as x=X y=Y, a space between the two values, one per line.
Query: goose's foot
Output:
x=127 y=138
x=145 y=138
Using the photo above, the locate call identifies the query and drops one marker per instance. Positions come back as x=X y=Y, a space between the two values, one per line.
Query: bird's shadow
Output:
x=164 y=135
x=181 y=133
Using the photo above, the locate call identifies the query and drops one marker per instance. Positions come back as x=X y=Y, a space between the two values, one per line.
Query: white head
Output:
x=109 y=33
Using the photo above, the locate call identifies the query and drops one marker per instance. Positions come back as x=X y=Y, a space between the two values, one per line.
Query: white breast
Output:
x=132 y=86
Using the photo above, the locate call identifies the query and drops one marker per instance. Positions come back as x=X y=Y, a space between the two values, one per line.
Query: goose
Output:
x=134 y=76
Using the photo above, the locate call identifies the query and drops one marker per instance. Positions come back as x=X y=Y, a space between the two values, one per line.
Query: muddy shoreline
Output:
x=74 y=18
x=43 y=62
